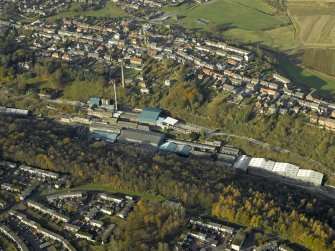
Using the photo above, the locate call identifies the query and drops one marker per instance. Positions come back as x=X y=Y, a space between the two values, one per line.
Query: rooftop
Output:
x=262 y=163
x=140 y=136
x=149 y=115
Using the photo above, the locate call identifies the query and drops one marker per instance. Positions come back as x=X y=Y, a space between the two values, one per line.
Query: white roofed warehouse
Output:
x=285 y=169
x=310 y=176
x=262 y=163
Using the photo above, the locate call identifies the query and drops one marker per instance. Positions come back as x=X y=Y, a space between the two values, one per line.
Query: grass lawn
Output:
x=82 y=90
x=147 y=196
x=106 y=219
x=281 y=38
x=304 y=77
x=107 y=11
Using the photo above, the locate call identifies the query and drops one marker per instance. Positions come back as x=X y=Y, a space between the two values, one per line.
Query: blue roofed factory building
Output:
x=106 y=132
x=109 y=136
x=95 y=101
x=149 y=115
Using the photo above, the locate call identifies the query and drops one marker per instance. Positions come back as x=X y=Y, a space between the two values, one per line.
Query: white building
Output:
x=65 y=195
x=281 y=79
x=107 y=197
x=106 y=210
x=39 y=172
x=310 y=176
x=285 y=169
x=199 y=235
x=262 y=163
x=85 y=236
x=96 y=223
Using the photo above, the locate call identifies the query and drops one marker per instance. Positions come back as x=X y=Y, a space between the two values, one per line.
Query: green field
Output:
x=246 y=21
x=82 y=90
x=280 y=39
x=228 y=13
x=256 y=5
x=304 y=77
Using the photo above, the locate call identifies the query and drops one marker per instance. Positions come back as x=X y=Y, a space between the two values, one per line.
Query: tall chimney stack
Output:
x=112 y=82
x=122 y=75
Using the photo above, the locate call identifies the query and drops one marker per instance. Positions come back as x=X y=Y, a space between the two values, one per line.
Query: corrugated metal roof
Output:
x=94 y=101
x=110 y=136
x=127 y=124
x=183 y=150
x=105 y=128
x=149 y=115
x=172 y=147
x=230 y=150
x=140 y=136
x=168 y=146
x=170 y=121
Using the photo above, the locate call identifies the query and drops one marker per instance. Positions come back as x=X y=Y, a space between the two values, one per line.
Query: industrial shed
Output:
x=183 y=150
x=95 y=101
x=168 y=147
x=230 y=150
x=107 y=132
x=14 y=111
x=226 y=158
x=149 y=115
x=145 y=138
x=262 y=163
x=170 y=121
x=286 y=169
x=109 y=136
x=242 y=162
x=310 y=176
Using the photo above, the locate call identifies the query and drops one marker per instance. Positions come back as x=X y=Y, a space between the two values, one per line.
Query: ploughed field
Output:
x=314 y=22
x=320 y=59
